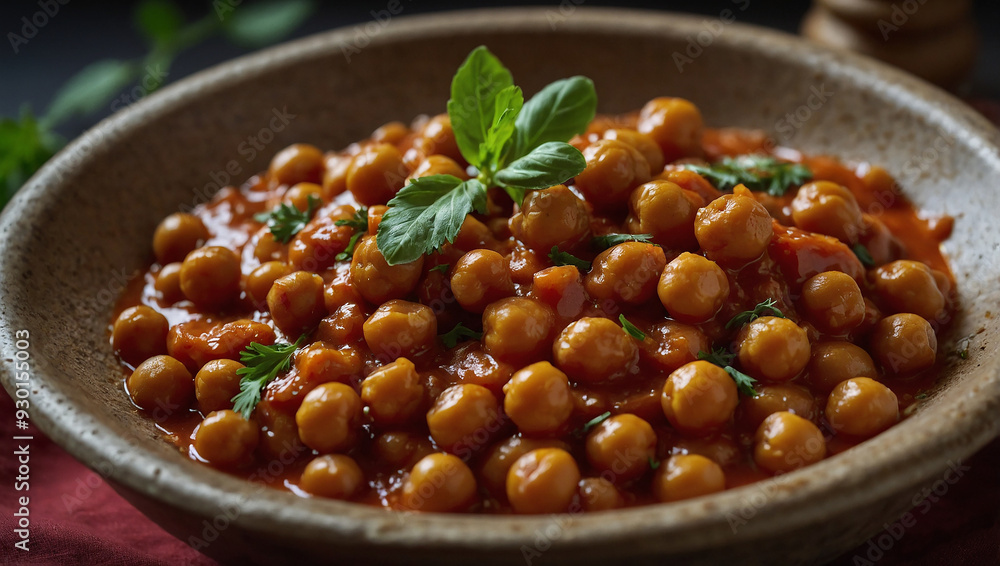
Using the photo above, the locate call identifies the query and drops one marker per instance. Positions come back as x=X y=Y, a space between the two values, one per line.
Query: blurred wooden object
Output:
x=933 y=39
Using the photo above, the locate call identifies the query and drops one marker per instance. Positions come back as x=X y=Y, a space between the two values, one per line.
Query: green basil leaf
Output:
x=158 y=20
x=548 y=164
x=558 y=112
x=24 y=147
x=263 y=23
x=425 y=214
x=90 y=89
x=471 y=107
x=508 y=107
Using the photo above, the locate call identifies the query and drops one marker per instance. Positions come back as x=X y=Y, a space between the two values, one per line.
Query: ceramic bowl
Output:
x=84 y=223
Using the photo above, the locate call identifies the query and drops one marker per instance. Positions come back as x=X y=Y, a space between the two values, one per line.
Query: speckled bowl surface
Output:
x=84 y=224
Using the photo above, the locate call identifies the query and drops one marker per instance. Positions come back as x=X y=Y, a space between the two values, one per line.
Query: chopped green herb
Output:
x=458 y=334
x=263 y=364
x=653 y=463
x=611 y=240
x=631 y=329
x=441 y=268
x=359 y=222
x=863 y=255
x=718 y=356
x=582 y=431
x=286 y=220
x=513 y=144
x=723 y=358
x=566 y=258
x=348 y=252
x=765 y=308
x=920 y=396
x=757 y=172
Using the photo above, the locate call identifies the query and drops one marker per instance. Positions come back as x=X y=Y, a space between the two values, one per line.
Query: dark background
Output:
x=82 y=32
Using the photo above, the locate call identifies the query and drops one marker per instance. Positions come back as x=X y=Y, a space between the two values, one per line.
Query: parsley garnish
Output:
x=457 y=334
x=757 y=172
x=611 y=240
x=513 y=144
x=920 y=396
x=653 y=463
x=441 y=267
x=766 y=308
x=723 y=358
x=263 y=364
x=631 y=329
x=359 y=222
x=864 y=256
x=582 y=431
x=286 y=220
x=566 y=258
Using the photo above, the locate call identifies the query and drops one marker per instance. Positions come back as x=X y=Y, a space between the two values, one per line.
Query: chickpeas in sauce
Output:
x=487 y=377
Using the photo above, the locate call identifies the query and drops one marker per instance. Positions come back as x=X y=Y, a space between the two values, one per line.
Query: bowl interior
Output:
x=83 y=226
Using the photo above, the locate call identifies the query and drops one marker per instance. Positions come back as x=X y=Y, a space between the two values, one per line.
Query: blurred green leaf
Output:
x=24 y=147
x=262 y=23
x=158 y=20
x=90 y=89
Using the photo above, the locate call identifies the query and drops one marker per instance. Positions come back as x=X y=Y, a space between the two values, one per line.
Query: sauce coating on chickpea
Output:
x=644 y=330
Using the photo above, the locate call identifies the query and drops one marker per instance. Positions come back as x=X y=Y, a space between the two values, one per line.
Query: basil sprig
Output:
x=513 y=144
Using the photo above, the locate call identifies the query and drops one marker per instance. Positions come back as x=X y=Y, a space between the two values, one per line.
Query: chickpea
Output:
x=595 y=350
x=904 y=343
x=481 y=277
x=279 y=435
x=301 y=194
x=439 y=483
x=834 y=362
x=296 y=302
x=646 y=145
x=699 y=397
x=400 y=328
x=402 y=449
x=671 y=344
x=718 y=448
x=538 y=399
x=862 y=406
x=674 y=124
x=909 y=286
x=623 y=445
x=542 y=481
x=335 y=175
x=773 y=348
x=261 y=279
x=376 y=280
x=329 y=418
x=772 y=399
x=474 y=235
x=139 y=333
x=685 y=476
x=517 y=329
x=376 y=173
x=733 y=229
x=437 y=165
x=626 y=273
x=226 y=439
x=525 y=263
x=833 y=302
x=159 y=384
x=551 y=217
x=178 y=235
x=460 y=414
x=473 y=365
x=502 y=456
x=168 y=283
x=215 y=385
x=693 y=288
x=613 y=169
x=598 y=494
x=667 y=212
x=297 y=163
x=393 y=392
x=828 y=208
x=332 y=475
x=210 y=277
x=315 y=248
x=437 y=131
x=561 y=288
x=267 y=248
x=786 y=442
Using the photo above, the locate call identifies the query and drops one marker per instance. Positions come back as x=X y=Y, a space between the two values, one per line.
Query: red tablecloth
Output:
x=75 y=518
